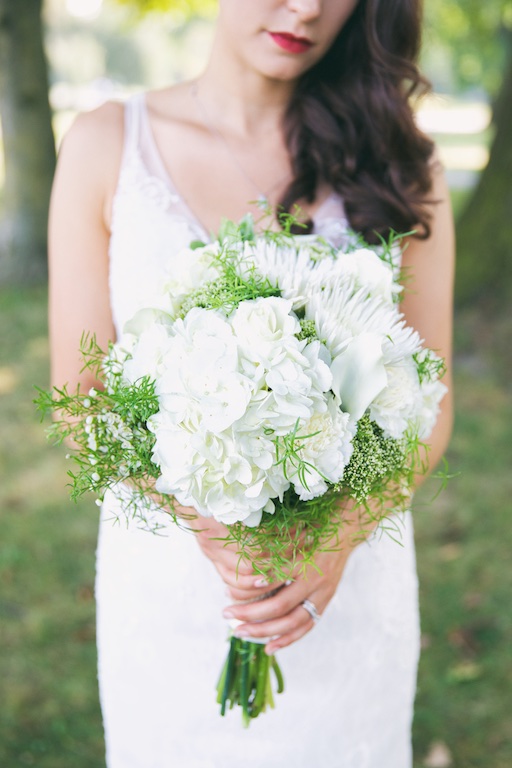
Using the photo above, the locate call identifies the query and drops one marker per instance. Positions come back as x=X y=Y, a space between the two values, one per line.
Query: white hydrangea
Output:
x=147 y=354
x=213 y=471
x=200 y=375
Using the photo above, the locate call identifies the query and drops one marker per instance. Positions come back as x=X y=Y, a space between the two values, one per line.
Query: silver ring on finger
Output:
x=311 y=609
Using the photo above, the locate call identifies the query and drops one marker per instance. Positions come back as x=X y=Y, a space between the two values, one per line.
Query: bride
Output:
x=302 y=102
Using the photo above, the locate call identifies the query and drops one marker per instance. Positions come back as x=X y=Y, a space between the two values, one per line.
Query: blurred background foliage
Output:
x=99 y=49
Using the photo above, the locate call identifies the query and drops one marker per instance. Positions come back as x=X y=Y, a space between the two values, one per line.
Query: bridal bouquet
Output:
x=271 y=380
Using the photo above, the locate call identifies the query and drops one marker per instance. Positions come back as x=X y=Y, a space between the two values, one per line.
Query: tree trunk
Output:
x=29 y=146
x=484 y=230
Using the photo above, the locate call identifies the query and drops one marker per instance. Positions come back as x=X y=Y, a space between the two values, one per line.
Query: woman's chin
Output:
x=279 y=69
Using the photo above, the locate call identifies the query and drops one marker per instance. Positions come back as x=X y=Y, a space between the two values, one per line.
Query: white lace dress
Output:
x=350 y=682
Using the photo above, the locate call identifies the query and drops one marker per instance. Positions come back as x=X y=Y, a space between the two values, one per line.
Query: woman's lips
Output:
x=291 y=43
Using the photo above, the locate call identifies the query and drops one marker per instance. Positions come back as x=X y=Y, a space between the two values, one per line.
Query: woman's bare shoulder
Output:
x=96 y=136
x=90 y=156
x=172 y=104
x=101 y=127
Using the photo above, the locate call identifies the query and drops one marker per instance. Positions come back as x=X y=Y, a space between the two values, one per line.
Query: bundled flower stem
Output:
x=245 y=680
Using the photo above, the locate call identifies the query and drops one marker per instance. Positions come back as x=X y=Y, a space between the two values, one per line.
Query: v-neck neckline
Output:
x=167 y=178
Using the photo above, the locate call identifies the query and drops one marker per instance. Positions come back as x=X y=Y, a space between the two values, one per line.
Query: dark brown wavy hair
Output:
x=349 y=123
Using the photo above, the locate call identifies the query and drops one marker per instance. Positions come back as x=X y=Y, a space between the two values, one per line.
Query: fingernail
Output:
x=228 y=613
x=261 y=583
x=241 y=633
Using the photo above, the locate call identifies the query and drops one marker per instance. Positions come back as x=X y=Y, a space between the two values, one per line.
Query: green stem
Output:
x=229 y=673
x=245 y=679
x=278 y=674
x=261 y=682
x=244 y=685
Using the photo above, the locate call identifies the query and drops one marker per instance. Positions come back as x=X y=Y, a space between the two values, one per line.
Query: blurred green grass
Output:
x=50 y=714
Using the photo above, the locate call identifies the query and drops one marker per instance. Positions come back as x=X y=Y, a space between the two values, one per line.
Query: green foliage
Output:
x=179 y=8
x=474 y=34
x=230 y=290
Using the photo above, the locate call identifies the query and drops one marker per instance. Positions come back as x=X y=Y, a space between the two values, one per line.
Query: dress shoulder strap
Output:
x=133 y=109
x=139 y=144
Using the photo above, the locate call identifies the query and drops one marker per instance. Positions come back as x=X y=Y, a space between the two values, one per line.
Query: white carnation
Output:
x=432 y=392
x=327 y=448
x=399 y=402
x=368 y=271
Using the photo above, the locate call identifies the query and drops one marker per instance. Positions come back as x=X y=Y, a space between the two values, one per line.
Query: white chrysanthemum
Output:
x=290 y=267
x=340 y=314
x=327 y=449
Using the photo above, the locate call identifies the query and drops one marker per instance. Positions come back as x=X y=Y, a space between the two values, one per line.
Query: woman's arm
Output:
x=429 y=267
x=79 y=233
x=428 y=307
x=83 y=189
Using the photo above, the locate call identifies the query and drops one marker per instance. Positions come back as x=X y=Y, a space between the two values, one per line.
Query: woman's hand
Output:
x=276 y=610
x=283 y=616
x=238 y=574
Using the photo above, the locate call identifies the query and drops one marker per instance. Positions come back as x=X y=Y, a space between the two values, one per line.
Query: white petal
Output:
x=359 y=373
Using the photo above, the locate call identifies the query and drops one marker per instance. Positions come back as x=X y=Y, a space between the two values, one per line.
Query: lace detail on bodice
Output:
x=151 y=221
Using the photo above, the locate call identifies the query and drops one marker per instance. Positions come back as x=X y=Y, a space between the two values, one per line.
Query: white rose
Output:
x=263 y=327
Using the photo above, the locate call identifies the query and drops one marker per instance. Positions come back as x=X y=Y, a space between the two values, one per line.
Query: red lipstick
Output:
x=291 y=43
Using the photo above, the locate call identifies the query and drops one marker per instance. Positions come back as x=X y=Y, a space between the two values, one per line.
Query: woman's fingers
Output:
x=280 y=604
x=298 y=620
x=287 y=639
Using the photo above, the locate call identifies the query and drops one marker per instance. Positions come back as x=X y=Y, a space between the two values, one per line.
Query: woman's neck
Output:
x=242 y=101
